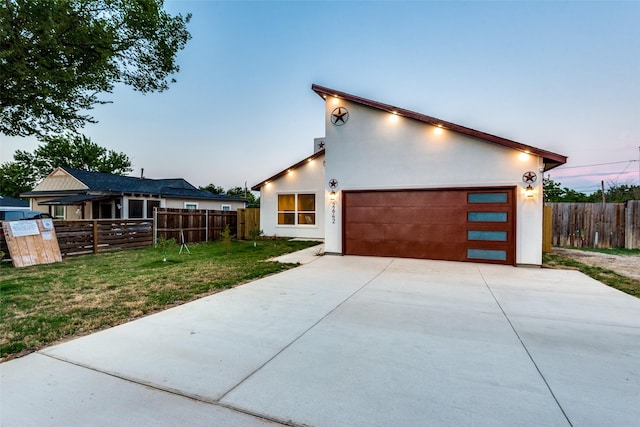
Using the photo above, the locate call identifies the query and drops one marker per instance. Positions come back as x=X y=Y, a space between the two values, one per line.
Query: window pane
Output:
x=498 y=236
x=150 y=205
x=487 y=197
x=135 y=208
x=487 y=254
x=286 y=202
x=306 y=218
x=307 y=202
x=487 y=216
x=286 y=218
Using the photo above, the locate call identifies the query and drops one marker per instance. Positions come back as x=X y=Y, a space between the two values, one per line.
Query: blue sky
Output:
x=561 y=76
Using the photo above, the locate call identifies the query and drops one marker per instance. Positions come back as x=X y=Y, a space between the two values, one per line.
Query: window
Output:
x=58 y=212
x=192 y=206
x=226 y=207
x=296 y=209
x=150 y=205
x=136 y=208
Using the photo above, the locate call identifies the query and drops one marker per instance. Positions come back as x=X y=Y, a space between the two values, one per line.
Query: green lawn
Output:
x=43 y=304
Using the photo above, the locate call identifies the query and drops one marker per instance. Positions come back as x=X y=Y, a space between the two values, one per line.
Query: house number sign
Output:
x=333 y=212
x=333 y=185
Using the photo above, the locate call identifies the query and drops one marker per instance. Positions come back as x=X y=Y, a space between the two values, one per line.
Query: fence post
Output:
x=155 y=226
x=95 y=236
x=547 y=231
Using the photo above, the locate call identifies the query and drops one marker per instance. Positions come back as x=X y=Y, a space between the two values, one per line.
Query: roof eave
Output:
x=553 y=159
x=286 y=170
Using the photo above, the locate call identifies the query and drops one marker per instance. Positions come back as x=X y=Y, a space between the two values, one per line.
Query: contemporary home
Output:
x=386 y=181
x=69 y=193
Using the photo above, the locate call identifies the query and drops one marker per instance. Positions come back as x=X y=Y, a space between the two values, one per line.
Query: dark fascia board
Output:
x=285 y=171
x=61 y=193
x=551 y=160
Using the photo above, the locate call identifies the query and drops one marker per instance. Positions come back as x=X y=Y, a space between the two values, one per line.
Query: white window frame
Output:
x=225 y=207
x=57 y=216
x=296 y=211
x=188 y=204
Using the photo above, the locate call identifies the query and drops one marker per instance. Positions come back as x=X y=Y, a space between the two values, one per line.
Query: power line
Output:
x=597 y=164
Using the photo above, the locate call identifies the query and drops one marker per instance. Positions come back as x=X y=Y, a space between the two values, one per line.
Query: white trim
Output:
x=188 y=204
x=296 y=211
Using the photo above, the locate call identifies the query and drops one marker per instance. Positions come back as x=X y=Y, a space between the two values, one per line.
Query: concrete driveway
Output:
x=353 y=341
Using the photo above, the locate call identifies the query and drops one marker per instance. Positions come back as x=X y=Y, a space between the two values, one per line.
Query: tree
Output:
x=212 y=188
x=244 y=193
x=57 y=56
x=16 y=178
x=551 y=190
x=74 y=151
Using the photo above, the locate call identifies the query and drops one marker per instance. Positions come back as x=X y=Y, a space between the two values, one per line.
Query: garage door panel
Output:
x=400 y=198
x=397 y=215
x=460 y=224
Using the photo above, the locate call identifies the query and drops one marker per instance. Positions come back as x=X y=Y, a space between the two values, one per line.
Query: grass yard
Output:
x=43 y=304
x=625 y=284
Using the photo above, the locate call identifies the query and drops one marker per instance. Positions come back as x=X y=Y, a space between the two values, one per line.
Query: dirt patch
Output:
x=626 y=265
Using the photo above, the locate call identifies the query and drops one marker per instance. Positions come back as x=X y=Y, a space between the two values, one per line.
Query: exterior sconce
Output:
x=119 y=206
x=332 y=196
x=528 y=191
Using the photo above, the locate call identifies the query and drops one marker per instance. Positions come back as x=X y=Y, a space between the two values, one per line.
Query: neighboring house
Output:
x=11 y=204
x=77 y=194
x=386 y=181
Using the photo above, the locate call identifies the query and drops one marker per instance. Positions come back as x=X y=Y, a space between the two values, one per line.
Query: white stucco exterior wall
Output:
x=379 y=150
x=307 y=179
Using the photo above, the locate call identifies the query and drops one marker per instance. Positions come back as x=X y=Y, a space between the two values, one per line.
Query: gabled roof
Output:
x=285 y=171
x=551 y=160
x=98 y=182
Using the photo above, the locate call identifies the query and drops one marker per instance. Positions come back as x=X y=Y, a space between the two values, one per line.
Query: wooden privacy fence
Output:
x=91 y=236
x=248 y=221
x=591 y=225
x=197 y=225
x=83 y=237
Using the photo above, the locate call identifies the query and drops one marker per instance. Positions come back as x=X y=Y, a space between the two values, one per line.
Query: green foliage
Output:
x=16 y=178
x=212 y=188
x=242 y=192
x=226 y=238
x=163 y=244
x=255 y=233
x=615 y=193
x=70 y=150
x=57 y=56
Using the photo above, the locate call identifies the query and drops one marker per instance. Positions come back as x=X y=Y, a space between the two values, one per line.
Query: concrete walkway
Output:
x=353 y=341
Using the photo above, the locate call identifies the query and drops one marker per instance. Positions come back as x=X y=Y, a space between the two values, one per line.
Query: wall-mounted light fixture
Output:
x=332 y=196
x=119 y=206
x=528 y=191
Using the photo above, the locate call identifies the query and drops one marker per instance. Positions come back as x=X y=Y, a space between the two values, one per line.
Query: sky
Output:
x=560 y=76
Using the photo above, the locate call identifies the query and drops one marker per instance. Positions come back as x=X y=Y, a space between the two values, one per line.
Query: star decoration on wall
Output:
x=339 y=116
x=333 y=183
x=321 y=145
x=529 y=177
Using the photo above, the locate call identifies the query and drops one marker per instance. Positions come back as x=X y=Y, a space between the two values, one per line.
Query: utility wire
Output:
x=597 y=164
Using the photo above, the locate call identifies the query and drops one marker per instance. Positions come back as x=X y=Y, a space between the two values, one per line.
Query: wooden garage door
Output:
x=457 y=225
